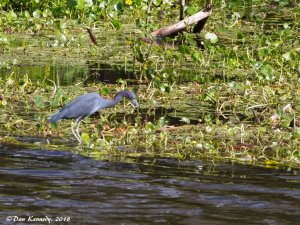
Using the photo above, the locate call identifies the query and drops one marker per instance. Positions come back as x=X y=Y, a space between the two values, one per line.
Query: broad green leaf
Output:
x=116 y=23
x=184 y=49
x=267 y=70
x=56 y=98
x=191 y=10
x=196 y=56
x=39 y=102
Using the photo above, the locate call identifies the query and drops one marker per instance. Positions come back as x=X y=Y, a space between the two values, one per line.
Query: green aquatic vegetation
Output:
x=229 y=99
x=207 y=139
x=4 y=44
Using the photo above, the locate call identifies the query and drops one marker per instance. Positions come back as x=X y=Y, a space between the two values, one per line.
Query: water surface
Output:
x=142 y=190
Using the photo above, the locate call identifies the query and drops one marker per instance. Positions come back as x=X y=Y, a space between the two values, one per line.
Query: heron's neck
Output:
x=111 y=102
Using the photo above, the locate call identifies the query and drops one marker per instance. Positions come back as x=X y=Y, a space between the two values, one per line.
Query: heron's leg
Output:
x=77 y=130
x=73 y=130
x=74 y=133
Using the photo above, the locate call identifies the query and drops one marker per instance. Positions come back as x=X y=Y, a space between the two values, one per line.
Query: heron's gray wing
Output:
x=82 y=106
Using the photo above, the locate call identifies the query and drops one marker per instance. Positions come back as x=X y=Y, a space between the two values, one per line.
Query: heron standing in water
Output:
x=86 y=105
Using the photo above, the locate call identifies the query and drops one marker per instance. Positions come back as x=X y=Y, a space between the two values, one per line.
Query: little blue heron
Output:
x=86 y=105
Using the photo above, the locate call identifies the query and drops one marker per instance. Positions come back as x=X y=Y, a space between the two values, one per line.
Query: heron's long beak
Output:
x=135 y=103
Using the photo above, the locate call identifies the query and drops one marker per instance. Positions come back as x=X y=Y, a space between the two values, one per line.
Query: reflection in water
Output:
x=69 y=75
x=63 y=75
x=143 y=191
x=108 y=74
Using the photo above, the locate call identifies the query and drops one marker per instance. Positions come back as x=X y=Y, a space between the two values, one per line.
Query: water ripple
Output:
x=143 y=191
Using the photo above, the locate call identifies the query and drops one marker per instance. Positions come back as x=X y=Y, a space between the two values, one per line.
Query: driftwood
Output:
x=199 y=19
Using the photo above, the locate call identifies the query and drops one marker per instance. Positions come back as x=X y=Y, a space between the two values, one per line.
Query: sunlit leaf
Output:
x=157 y=2
x=85 y=137
x=271 y=162
x=286 y=26
x=150 y=126
x=3 y=102
x=196 y=56
x=165 y=88
x=185 y=120
x=291 y=55
x=82 y=4
x=11 y=16
x=26 y=14
x=208 y=129
x=212 y=37
x=36 y=14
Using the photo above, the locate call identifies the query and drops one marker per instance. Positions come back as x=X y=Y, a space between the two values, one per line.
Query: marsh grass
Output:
x=236 y=98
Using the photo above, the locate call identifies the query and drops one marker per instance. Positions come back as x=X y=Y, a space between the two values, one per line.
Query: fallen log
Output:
x=198 y=18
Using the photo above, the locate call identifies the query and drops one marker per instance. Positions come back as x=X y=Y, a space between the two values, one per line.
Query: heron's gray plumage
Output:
x=87 y=104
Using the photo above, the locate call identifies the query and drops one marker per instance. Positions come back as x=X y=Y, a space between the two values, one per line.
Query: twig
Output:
x=55 y=88
x=256 y=119
x=182 y=4
x=94 y=40
x=148 y=10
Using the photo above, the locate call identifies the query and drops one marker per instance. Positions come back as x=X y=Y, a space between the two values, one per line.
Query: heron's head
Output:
x=131 y=96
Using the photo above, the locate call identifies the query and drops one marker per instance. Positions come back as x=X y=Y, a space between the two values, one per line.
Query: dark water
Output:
x=68 y=75
x=63 y=185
